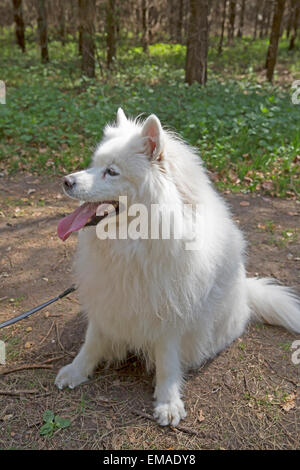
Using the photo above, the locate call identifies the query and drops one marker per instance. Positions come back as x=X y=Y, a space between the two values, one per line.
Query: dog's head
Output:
x=128 y=156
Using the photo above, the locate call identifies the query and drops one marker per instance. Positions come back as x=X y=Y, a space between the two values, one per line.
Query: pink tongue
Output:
x=76 y=220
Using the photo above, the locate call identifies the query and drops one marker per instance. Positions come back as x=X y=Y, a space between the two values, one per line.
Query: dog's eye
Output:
x=111 y=172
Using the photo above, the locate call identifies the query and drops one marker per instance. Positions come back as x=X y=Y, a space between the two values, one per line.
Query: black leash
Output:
x=36 y=309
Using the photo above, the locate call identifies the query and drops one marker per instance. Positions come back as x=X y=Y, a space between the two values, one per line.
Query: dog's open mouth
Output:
x=89 y=213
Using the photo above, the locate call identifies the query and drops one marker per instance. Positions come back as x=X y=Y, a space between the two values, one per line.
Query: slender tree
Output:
x=43 y=29
x=220 y=47
x=18 y=17
x=256 y=18
x=197 y=43
x=137 y=21
x=295 y=24
x=289 y=24
x=87 y=17
x=145 y=23
x=179 y=22
x=241 y=19
x=232 y=9
x=79 y=28
x=263 y=20
x=274 y=38
x=62 y=21
x=110 y=32
x=171 y=11
x=268 y=17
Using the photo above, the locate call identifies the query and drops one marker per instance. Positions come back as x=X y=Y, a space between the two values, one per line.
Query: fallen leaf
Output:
x=244 y=203
x=201 y=416
x=7 y=417
x=289 y=403
x=31 y=191
x=293 y=213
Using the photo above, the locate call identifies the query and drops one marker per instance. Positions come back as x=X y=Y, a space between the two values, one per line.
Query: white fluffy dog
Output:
x=177 y=306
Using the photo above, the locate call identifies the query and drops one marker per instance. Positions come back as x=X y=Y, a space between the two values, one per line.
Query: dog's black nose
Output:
x=69 y=182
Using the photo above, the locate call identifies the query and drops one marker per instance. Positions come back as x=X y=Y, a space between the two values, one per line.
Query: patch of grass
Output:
x=285 y=346
x=247 y=132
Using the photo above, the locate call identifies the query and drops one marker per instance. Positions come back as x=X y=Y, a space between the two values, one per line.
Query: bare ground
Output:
x=246 y=398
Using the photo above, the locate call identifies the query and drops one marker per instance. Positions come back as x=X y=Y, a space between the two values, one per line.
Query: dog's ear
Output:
x=153 y=133
x=121 y=118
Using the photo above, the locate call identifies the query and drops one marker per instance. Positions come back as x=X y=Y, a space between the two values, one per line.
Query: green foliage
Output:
x=247 y=132
x=53 y=422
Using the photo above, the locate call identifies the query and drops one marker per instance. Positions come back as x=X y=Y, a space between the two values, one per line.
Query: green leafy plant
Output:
x=53 y=422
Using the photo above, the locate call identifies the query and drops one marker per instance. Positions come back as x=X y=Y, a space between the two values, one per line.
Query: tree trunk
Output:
x=179 y=22
x=87 y=16
x=110 y=32
x=79 y=28
x=274 y=39
x=171 y=11
x=222 y=28
x=289 y=25
x=197 y=43
x=263 y=19
x=257 y=5
x=145 y=22
x=268 y=18
x=43 y=29
x=241 y=22
x=18 y=17
x=232 y=6
x=295 y=25
x=137 y=21
x=62 y=22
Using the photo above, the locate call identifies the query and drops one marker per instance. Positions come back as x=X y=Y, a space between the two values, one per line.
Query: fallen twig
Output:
x=24 y=367
x=60 y=343
x=18 y=392
x=281 y=376
x=45 y=337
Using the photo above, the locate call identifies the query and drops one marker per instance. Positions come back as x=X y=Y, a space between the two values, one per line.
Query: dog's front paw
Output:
x=69 y=376
x=169 y=413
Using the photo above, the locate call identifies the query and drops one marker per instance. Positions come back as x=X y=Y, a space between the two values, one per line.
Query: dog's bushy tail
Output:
x=273 y=304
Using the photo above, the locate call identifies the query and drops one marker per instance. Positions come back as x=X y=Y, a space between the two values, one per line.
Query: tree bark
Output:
x=274 y=38
x=43 y=30
x=232 y=7
x=241 y=20
x=220 y=47
x=87 y=16
x=295 y=25
x=197 y=43
x=18 y=17
x=110 y=32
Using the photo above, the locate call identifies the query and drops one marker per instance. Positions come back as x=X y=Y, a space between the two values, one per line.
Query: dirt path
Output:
x=245 y=398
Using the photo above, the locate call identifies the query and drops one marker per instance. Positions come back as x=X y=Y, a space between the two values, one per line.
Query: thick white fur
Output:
x=177 y=307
